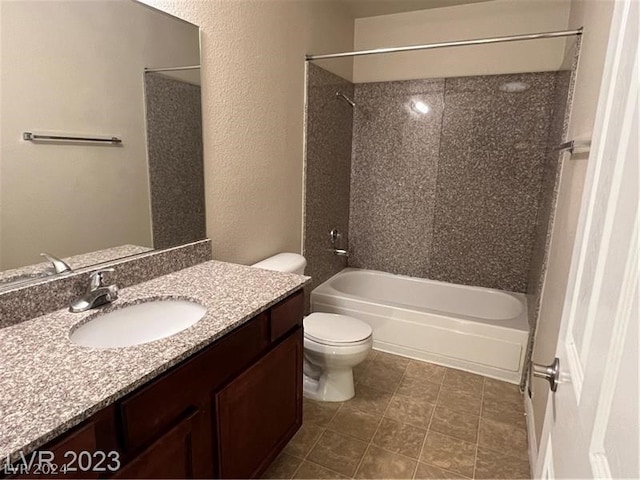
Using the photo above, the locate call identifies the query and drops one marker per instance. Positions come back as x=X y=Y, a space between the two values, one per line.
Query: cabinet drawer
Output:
x=286 y=315
x=152 y=409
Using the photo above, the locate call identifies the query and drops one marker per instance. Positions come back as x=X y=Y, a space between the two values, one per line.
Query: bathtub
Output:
x=476 y=329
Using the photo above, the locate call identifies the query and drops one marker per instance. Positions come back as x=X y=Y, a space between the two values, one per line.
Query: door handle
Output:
x=550 y=372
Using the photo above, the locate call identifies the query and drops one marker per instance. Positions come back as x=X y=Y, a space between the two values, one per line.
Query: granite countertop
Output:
x=48 y=384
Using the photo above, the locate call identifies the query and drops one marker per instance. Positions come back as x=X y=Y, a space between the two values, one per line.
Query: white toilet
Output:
x=333 y=343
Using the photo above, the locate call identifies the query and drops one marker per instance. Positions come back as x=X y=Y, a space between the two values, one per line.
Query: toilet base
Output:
x=335 y=385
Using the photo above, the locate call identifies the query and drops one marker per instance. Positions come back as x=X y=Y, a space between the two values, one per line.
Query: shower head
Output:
x=346 y=99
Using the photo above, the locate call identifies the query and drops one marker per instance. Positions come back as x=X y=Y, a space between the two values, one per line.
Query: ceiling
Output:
x=372 y=8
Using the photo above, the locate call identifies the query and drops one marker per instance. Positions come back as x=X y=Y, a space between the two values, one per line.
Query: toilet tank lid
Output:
x=335 y=328
x=283 y=262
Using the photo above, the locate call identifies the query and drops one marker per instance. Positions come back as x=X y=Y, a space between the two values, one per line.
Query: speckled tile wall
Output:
x=548 y=193
x=174 y=143
x=451 y=194
x=327 y=171
x=393 y=176
x=490 y=172
x=57 y=292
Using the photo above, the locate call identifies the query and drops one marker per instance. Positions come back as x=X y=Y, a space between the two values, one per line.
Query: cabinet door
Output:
x=83 y=452
x=63 y=451
x=258 y=412
x=150 y=410
x=170 y=456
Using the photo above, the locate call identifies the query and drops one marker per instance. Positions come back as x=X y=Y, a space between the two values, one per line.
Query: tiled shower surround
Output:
x=327 y=171
x=452 y=194
x=394 y=176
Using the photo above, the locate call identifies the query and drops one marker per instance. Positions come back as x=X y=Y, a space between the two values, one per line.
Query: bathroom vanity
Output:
x=220 y=399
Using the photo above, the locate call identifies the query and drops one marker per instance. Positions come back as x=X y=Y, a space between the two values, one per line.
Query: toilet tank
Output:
x=284 y=262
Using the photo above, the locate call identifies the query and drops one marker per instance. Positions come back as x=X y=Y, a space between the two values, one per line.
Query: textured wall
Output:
x=174 y=145
x=393 y=179
x=453 y=194
x=461 y=22
x=327 y=171
x=253 y=80
x=595 y=17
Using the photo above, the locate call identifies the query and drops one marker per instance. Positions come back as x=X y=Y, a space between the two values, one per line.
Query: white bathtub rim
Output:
x=449 y=362
x=458 y=326
x=367 y=271
x=519 y=322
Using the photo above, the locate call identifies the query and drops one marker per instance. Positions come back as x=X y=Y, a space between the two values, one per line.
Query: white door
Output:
x=591 y=422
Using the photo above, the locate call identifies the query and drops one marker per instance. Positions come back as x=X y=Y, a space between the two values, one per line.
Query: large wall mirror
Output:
x=98 y=69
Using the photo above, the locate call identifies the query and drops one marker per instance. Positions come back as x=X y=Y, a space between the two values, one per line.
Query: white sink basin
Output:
x=137 y=324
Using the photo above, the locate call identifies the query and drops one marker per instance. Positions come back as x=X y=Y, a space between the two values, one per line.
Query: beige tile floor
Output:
x=411 y=419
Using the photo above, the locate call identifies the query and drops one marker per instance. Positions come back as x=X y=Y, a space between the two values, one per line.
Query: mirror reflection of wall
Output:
x=77 y=68
x=174 y=132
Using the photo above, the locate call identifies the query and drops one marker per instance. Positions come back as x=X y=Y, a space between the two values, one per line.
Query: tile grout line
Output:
x=363 y=441
x=433 y=413
x=382 y=417
x=370 y=444
x=377 y=427
x=304 y=458
x=380 y=422
x=324 y=429
x=324 y=468
x=475 y=457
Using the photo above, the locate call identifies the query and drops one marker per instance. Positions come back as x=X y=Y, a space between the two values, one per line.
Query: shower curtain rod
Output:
x=455 y=43
x=171 y=69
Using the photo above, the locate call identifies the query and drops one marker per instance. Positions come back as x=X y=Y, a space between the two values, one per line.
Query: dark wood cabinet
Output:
x=258 y=412
x=151 y=409
x=82 y=438
x=73 y=454
x=227 y=411
x=172 y=455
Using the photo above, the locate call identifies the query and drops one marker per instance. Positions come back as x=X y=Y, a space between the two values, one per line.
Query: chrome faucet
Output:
x=60 y=266
x=335 y=237
x=97 y=294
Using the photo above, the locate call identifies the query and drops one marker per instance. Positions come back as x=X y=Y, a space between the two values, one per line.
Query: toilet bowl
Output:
x=333 y=343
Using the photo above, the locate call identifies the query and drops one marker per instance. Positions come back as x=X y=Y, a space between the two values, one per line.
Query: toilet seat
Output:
x=336 y=330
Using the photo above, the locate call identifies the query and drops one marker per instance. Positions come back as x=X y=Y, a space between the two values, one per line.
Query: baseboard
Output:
x=531 y=431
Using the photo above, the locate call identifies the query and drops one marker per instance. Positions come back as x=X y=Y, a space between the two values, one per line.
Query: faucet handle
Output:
x=96 y=279
x=334 y=236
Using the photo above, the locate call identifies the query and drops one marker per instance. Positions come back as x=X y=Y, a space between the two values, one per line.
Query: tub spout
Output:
x=340 y=252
